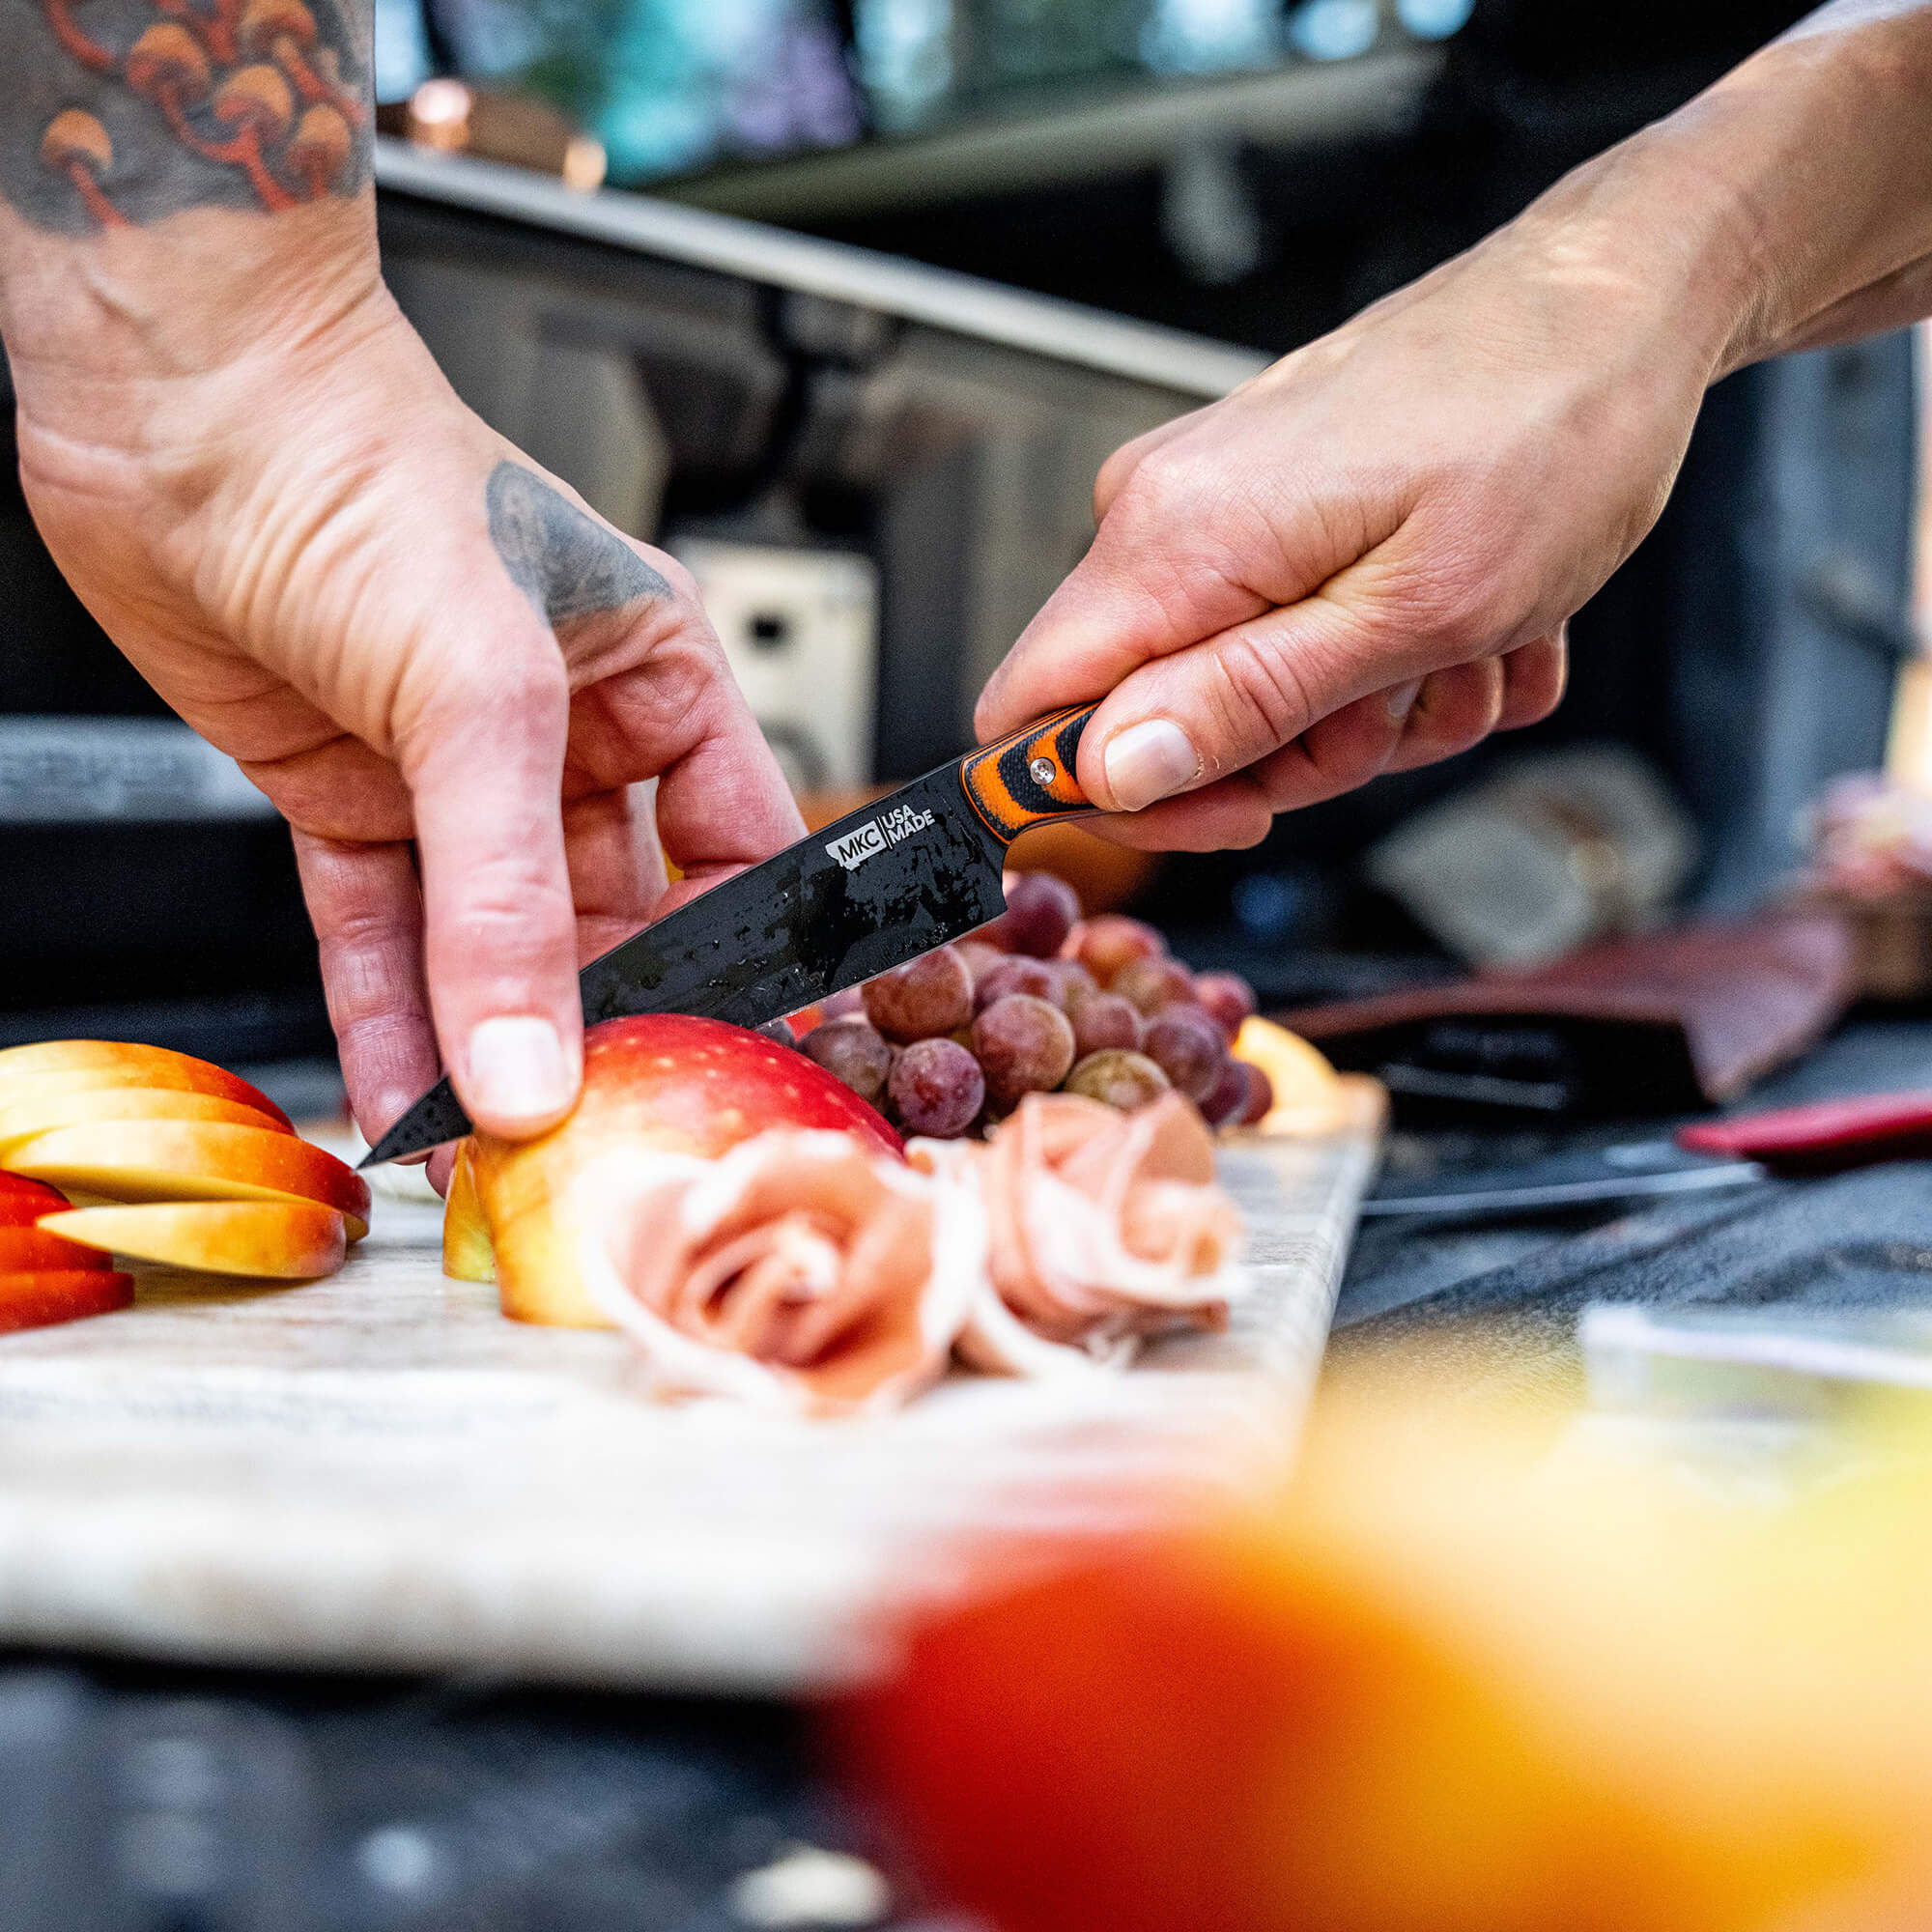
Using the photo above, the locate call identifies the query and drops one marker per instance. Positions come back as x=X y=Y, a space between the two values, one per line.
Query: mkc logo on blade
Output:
x=875 y=834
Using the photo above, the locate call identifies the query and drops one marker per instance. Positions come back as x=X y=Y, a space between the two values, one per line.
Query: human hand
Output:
x=1363 y=558
x=405 y=632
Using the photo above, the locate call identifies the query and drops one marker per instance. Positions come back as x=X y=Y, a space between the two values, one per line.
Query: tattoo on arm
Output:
x=566 y=563
x=118 y=112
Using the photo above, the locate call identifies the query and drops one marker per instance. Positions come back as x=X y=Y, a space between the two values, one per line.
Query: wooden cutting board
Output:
x=378 y=1470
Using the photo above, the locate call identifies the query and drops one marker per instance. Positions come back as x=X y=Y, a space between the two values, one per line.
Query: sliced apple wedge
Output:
x=280 y=1240
x=40 y=1299
x=52 y=1064
x=23 y=1201
x=32 y=1250
x=22 y=1117
x=468 y=1253
x=192 y=1161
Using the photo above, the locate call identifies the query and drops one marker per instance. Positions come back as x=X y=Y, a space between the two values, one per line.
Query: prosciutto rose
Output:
x=1101 y=1228
x=801 y=1267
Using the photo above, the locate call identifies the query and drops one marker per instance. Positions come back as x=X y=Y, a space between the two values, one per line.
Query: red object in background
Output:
x=1825 y=1134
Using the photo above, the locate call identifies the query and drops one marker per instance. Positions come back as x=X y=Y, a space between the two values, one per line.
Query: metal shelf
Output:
x=1086 y=135
x=1189 y=365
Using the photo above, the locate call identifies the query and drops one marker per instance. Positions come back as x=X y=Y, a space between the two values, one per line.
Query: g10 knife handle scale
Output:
x=1028 y=779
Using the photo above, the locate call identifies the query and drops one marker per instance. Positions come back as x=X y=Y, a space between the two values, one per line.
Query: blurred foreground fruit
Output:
x=275 y=1240
x=663 y=1083
x=1447 y=1683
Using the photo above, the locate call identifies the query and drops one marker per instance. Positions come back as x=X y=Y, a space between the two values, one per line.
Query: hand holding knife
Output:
x=887 y=882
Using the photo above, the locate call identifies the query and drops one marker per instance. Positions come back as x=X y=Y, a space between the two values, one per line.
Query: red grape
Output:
x=843 y=1003
x=1122 y=1079
x=1188 y=1047
x=1229 y=1095
x=1110 y=940
x=925 y=997
x=1104 y=1019
x=1024 y=1045
x=1040 y=911
x=980 y=956
x=936 y=1089
x=1227 y=996
x=1153 y=984
x=1017 y=974
x=779 y=1031
x=851 y=1051
x=1076 y=982
x=1261 y=1095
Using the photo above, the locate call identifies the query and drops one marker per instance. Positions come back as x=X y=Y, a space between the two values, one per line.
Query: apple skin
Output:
x=56 y=1065
x=40 y=1298
x=23 y=1116
x=37 y=1250
x=192 y=1161
x=23 y=1201
x=466 y=1253
x=660 y=1082
x=277 y=1240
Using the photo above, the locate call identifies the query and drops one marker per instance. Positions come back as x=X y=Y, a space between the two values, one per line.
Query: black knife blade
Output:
x=883 y=885
x=1635 y=1171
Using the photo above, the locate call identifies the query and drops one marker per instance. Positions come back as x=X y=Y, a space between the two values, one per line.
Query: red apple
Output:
x=22 y=1116
x=661 y=1083
x=466 y=1253
x=61 y=1066
x=40 y=1299
x=30 y=1250
x=23 y=1201
x=193 y=1160
x=280 y=1240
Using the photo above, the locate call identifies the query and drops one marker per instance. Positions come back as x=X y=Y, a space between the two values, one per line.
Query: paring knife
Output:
x=1821 y=1137
x=883 y=885
x=1633 y=1171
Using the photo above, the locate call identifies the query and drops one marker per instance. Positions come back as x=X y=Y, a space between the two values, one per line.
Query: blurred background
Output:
x=845 y=301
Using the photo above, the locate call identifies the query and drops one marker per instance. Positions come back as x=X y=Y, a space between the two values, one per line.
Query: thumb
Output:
x=484 y=764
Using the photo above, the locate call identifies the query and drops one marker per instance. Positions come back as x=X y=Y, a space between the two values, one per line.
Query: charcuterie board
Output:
x=378 y=1471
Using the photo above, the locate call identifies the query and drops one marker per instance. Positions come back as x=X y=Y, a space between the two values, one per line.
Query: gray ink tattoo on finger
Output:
x=565 y=562
x=114 y=113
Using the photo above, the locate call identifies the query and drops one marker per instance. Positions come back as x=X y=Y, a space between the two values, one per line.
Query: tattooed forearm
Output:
x=567 y=564
x=121 y=111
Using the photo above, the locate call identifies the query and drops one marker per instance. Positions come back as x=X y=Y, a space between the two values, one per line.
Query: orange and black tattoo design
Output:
x=121 y=111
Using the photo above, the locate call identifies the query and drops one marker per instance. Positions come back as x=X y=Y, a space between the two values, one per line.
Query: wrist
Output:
x=1657 y=254
x=207 y=289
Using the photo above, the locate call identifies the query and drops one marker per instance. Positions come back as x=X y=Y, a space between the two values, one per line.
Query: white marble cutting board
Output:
x=378 y=1470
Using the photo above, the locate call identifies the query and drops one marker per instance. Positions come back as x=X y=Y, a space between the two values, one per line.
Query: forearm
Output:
x=182 y=191
x=1807 y=176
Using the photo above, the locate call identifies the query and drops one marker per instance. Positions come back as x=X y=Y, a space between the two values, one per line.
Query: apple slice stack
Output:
x=172 y=1159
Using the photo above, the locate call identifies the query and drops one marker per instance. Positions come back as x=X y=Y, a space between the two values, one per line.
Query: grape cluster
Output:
x=1041 y=1000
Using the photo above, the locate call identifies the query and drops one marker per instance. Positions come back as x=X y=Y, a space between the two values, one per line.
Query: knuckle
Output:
x=1258 y=701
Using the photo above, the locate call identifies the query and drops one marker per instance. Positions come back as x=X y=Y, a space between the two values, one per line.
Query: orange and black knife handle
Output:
x=1028 y=779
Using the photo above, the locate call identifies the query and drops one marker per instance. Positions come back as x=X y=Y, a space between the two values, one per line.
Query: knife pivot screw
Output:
x=1044 y=771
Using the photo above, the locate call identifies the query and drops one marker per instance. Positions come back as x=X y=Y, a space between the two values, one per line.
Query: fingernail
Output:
x=517 y=1068
x=1402 y=701
x=1149 y=762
